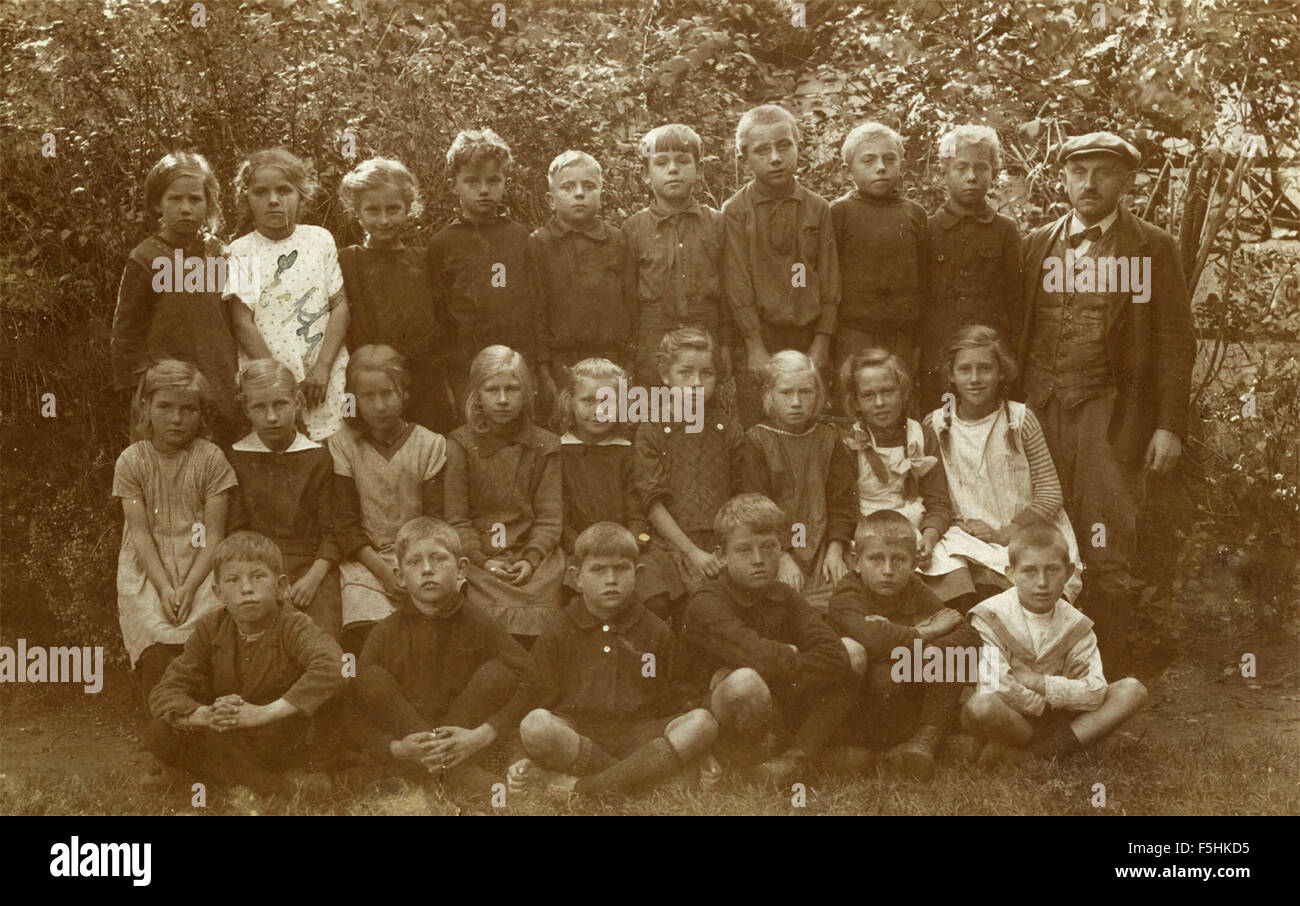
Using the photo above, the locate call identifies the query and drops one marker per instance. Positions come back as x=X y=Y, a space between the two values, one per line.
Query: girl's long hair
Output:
x=977 y=336
x=493 y=360
x=297 y=171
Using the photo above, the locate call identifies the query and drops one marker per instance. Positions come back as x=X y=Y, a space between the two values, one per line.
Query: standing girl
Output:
x=292 y=305
x=387 y=471
x=173 y=485
x=163 y=315
x=390 y=293
x=684 y=477
x=898 y=465
x=599 y=485
x=286 y=490
x=505 y=495
x=800 y=464
x=999 y=470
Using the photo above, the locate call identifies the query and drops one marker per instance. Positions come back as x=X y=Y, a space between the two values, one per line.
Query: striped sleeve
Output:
x=1047 y=500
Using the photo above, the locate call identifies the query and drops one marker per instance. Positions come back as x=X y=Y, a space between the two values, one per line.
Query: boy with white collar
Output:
x=1052 y=697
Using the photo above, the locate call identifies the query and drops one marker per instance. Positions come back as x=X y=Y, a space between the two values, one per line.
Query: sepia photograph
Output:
x=650 y=408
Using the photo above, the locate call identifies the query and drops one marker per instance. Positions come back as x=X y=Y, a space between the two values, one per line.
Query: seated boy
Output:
x=439 y=680
x=974 y=256
x=781 y=273
x=884 y=606
x=764 y=655
x=587 y=294
x=237 y=706
x=1052 y=698
x=884 y=249
x=607 y=720
x=676 y=250
x=483 y=275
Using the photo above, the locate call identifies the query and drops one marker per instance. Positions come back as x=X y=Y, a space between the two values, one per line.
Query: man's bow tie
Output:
x=1091 y=234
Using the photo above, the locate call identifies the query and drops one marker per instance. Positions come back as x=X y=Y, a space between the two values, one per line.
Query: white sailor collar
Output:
x=254 y=444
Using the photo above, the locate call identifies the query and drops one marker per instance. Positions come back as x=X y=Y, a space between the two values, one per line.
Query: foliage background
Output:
x=119 y=84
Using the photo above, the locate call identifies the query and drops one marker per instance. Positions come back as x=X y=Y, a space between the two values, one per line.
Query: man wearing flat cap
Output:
x=1107 y=365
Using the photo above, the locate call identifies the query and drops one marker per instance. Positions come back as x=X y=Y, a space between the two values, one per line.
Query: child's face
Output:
x=174 y=416
x=751 y=558
x=975 y=376
x=274 y=201
x=876 y=167
x=480 y=188
x=430 y=573
x=794 y=401
x=607 y=583
x=249 y=590
x=575 y=196
x=692 y=368
x=886 y=566
x=968 y=176
x=502 y=398
x=672 y=175
x=379 y=400
x=1040 y=576
x=586 y=405
x=273 y=412
x=183 y=208
x=772 y=152
x=879 y=398
x=383 y=213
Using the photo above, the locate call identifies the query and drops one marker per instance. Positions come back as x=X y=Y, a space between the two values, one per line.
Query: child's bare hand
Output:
x=171 y=605
x=246 y=716
x=758 y=357
x=498 y=568
x=313 y=387
x=925 y=549
x=204 y=717
x=389 y=580
x=414 y=747
x=1029 y=679
x=980 y=529
x=521 y=572
x=302 y=591
x=790 y=573
x=833 y=567
x=706 y=563
x=455 y=744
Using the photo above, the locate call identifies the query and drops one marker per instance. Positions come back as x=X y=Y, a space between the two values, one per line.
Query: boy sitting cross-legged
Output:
x=1052 y=697
x=764 y=655
x=439 y=679
x=608 y=717
x=237 y=706
x=884 y=605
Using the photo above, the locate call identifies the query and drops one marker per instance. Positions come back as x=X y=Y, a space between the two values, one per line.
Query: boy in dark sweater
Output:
x=975 y=256
x=481 y=266
x=884 y=606
x=765 y=657
x=439 y=680
x=608 y=718
x=588 y=284
x=237 y=706
x=780 y=272
x=884 y=249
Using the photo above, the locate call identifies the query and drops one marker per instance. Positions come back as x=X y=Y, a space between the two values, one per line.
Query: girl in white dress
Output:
x=289 y=287
x=999 y=469
x=172 y=483
x=898 y=465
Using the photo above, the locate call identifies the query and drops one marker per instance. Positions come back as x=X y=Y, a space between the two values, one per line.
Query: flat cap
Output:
x=1106 y=142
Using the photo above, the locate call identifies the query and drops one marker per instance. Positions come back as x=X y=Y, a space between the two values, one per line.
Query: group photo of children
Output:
x=384 y=535
x=400 y=463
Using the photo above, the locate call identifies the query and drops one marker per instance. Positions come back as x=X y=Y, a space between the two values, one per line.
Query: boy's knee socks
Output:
x=592 y=759
x=654 y=760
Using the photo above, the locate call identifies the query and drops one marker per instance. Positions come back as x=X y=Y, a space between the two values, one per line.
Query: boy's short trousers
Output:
x=620 y=738
x=1043 y=725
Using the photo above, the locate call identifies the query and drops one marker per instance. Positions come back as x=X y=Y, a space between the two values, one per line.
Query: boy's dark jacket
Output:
x=1150 y=346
